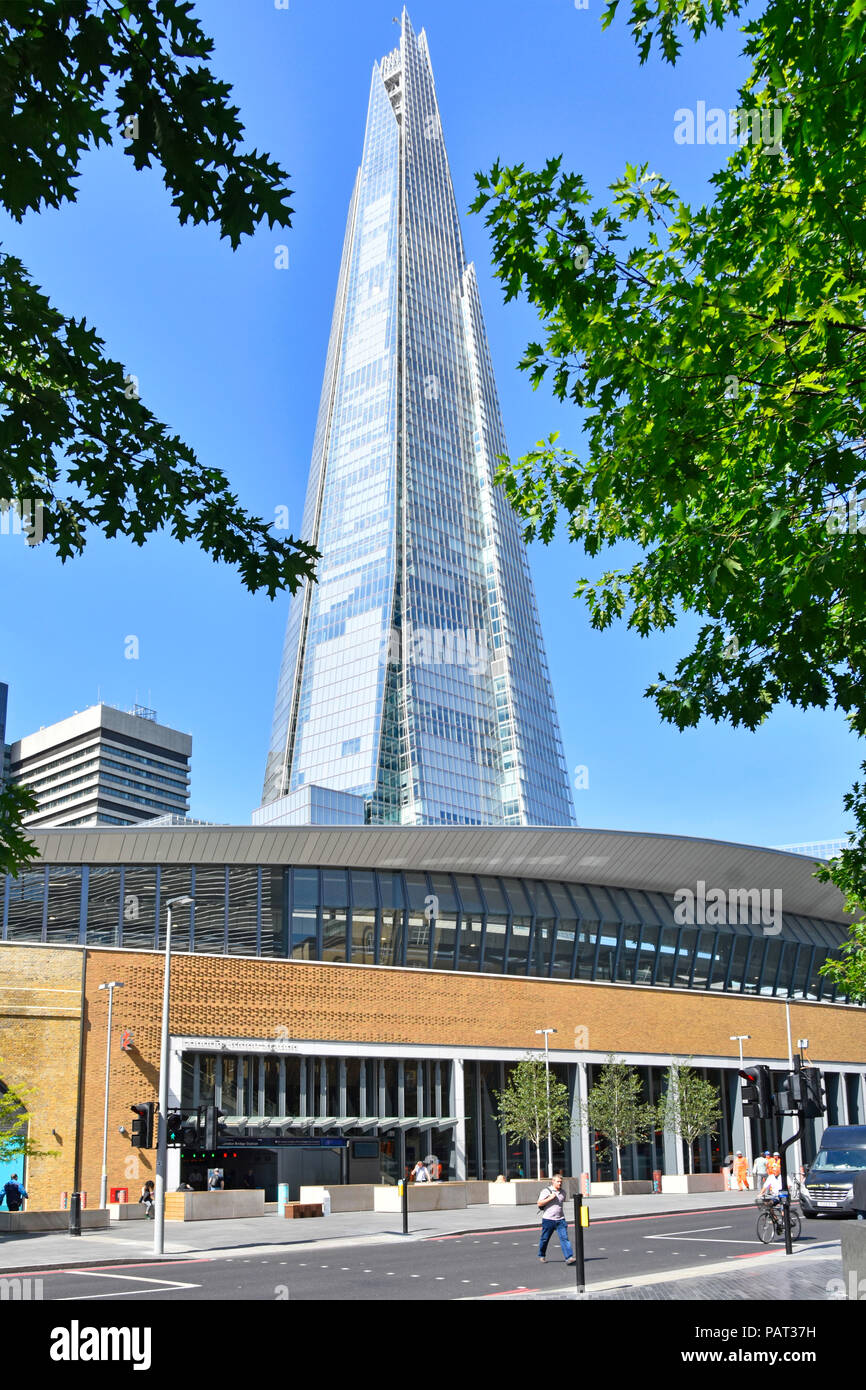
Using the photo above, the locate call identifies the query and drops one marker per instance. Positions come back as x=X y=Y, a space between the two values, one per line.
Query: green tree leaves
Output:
x=527 y=1112
x=76 y=441
x=718 y=357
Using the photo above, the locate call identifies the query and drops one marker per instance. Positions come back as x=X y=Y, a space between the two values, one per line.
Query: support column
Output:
x=673 y=1147
x=458 y=1108
x=580 y=1131
x=175 y=1076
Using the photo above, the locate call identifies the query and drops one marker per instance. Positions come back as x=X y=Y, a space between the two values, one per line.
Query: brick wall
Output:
x=244 y=998
x=40 y=1024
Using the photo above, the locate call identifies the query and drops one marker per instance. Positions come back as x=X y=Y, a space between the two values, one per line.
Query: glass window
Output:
x=206 y=1074
x=421 y=907
x=139 y=908
x=175 y=882
x=274 y=921
x=703 y=958
x=756 y=959
x=685 y=956
x=771 y=964
x=103 y=909
x=229 y=1090
x=364 y=918
x=649 y=946
x=210 y=909
x=26 y=903
x=391 y=948
x=667 y=956
x=243 y=911
x=721 y=960
x=741 y=948
x=497 y=926
x=64 y=904
x=521 y=927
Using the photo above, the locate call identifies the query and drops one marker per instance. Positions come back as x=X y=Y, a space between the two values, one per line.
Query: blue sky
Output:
x=229 y=351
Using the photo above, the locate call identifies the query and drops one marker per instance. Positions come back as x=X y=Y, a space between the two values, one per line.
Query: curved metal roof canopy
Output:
x=621 y=858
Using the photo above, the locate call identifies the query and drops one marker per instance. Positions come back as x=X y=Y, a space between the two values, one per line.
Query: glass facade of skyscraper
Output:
x=413 y=671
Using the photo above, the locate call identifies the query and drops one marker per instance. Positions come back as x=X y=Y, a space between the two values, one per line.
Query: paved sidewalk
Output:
x=134 y=1239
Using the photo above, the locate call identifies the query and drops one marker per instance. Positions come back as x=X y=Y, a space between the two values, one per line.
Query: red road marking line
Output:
x=508 y=1291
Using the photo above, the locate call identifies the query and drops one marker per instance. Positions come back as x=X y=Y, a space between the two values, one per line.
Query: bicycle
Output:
x=771 y=1221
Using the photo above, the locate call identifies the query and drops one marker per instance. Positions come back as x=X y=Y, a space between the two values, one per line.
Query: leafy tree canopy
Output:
x=718 y=357
x=78 y=448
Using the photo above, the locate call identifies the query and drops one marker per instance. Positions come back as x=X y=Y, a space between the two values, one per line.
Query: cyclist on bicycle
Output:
x=772 y=1188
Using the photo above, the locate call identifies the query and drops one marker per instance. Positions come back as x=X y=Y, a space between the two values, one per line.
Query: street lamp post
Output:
x=162 y=1133
x=111 y=986
x=547 y=1032
x=740 y=1038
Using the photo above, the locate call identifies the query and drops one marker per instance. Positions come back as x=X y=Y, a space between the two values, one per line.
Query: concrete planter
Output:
x=696 y=1182
x=127 y=1211
x=348 y=1197
x=423 y=1196
x=214 y=1206
x=636 y=1187
x=23 y=1222
x=854 y=1259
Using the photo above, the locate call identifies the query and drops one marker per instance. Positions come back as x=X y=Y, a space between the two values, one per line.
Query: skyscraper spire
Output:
x=413 y=672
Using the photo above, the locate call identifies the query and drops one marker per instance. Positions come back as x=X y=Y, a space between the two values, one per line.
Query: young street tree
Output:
x=14 y=1142
x=717 y=355
x=690 y=1106
x=78 y=448
x=523 y=1107
x=616 y=1110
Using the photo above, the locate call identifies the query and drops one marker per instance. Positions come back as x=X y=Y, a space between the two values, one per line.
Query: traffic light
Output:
x=800 y=1094
x=212 y=1117
x=812 y=1099
x=757 y=1094
x=142 y=1125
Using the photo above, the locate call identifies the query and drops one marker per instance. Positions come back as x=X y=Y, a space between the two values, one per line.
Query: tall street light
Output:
x=747 y=1128
x=111 y=986
x=162 y=1118
x=547 y=1032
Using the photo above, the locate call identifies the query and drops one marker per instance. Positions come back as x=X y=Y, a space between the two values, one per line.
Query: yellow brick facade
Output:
x=225 y=997
x=40 y=1031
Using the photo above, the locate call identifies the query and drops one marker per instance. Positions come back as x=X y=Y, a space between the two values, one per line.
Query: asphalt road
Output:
x=473 y=1265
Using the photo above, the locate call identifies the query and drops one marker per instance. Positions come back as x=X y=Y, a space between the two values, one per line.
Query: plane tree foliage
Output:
x=715 y=354
x=80 y=451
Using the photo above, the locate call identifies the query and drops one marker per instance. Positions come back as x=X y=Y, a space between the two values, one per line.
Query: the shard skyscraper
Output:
x=413 y=673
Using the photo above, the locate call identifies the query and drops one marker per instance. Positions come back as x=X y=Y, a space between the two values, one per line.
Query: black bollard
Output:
x=579 y=1269
x=75 y=1213
x=404 y=1203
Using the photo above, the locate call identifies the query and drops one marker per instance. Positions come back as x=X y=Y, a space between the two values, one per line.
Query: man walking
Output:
x=760 y=1169
x=741 y=1171
x=550 y=1204
x=15 y=1194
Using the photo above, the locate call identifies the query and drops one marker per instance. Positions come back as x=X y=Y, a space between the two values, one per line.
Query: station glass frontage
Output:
x=468 y=922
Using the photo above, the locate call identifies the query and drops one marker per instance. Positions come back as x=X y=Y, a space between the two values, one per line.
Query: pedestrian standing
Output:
x=760 y=1169
x=741 y=1171
x=15 y=1194
x=146 y=1199
x=728 y=1169
x=550 y=1204
x=419 y=1172
x=858 y=1194
x=774 y=1165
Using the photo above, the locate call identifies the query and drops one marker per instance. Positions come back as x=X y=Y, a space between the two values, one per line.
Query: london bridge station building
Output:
x=350 y=996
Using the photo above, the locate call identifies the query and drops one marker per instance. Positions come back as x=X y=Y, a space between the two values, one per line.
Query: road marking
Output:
x=124 y=1293
x=163 y=1286
x=669 y=1235
x=466 y=1281
x=139 y=1278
